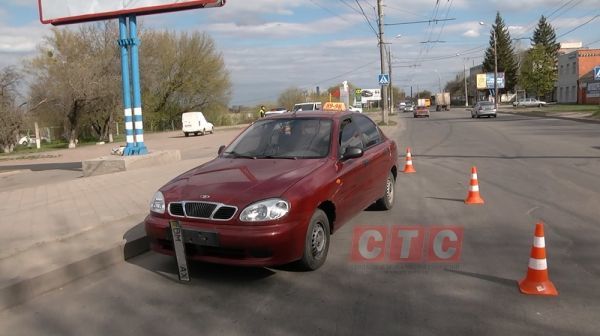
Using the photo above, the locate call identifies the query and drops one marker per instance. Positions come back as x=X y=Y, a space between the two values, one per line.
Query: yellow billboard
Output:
x=482 y=81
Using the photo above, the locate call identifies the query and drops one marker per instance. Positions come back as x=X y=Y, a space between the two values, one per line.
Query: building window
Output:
x=566 y=72
x=560 y=96
x=574 y=66
x=561 y=69
x=574 y=89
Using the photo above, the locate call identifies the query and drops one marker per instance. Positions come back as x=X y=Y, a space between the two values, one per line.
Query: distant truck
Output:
x=442 y=101
x=424 y=102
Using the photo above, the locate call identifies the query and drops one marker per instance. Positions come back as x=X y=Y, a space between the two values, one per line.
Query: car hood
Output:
x=239 y=181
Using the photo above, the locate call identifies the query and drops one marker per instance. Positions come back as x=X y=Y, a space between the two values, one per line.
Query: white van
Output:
x=194 y=122
x=315 y=106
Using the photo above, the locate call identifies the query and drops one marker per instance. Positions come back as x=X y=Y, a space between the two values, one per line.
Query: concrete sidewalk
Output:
x=56 y=233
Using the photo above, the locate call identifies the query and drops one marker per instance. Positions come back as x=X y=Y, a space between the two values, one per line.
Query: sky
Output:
x=271 y=45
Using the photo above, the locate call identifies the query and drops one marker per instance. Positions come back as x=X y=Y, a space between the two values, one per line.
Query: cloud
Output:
x=282 y=29
x=22 y=39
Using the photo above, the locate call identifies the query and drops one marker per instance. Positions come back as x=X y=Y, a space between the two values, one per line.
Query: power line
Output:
x=581 y=25
x=422 y=21
x=367 y=19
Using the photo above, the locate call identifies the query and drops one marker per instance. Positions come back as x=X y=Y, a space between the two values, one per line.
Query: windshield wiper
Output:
x=277 y=157
x=238 y=155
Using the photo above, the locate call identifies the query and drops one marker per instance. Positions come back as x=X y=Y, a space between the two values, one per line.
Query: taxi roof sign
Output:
x=334 y=107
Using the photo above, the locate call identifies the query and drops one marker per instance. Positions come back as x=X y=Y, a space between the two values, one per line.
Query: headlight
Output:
x=266 y=210
x=158 y=203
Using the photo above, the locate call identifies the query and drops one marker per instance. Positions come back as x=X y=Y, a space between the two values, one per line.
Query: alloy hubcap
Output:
x=318 y=240
x=390 y=190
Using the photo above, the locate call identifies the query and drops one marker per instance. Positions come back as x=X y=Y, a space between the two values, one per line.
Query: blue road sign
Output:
x=597 y=73
x=384 y=79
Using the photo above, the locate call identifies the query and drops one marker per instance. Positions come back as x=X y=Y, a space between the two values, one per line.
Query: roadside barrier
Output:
x=473 y=197
x=408 y=168
x=537 y=282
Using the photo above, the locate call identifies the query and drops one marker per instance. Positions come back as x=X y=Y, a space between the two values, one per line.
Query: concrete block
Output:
x=114 y=164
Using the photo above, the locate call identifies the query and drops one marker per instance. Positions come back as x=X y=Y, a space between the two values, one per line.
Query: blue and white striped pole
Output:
x=123 y=43
x=137 y=92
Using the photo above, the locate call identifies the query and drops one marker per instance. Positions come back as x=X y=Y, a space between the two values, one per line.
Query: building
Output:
x=576 y=83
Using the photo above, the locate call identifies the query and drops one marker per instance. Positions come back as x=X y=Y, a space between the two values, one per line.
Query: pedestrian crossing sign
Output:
x=384 y=79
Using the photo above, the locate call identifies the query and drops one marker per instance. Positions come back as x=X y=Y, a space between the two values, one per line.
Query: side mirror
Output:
x=221 y=149
x=352 y=153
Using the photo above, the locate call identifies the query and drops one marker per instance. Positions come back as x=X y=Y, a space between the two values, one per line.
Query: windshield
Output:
x=283 y=138
x=304 y=107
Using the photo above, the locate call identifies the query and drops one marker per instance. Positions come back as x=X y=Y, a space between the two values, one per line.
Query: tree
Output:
x=291 y=96
x=506 y=56
x=425 y=94
x=538 y=72
x=11 y=118
x=77 y=71
x=545 y=35
x=180 y=73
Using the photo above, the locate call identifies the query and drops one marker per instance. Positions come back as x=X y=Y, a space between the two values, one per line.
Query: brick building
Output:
x=576 y=82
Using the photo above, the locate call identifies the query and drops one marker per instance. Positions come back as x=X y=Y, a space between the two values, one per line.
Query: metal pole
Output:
x=391 y=86
x=495 y=70
x=384 y=116
x=466 y=90
x=137 y=93
x=123 y=42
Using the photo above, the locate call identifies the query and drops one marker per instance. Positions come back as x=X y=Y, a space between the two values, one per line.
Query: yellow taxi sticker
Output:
x=331 y=106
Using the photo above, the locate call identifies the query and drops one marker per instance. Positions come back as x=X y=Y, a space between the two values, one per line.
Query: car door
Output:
x=376 y=154
x=348 y=198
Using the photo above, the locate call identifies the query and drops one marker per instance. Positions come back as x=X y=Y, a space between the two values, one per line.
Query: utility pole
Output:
x=391 y=87
x=384 y=116
x=466 y=90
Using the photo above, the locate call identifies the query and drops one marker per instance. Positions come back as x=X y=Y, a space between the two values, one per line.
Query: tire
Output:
x=316 y=243
x=186 y=134
x=195 y=133
x=495 y=115
x=478 y=116
x=387 y=201
x=203 y=132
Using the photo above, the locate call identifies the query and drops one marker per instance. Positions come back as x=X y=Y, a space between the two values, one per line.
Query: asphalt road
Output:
x=530 y=169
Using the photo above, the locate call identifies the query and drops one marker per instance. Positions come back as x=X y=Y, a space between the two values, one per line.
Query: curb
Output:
x=542 y=115
x=25 y=290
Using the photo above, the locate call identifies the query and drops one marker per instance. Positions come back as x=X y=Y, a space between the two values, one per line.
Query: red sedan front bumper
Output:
x=242 y=245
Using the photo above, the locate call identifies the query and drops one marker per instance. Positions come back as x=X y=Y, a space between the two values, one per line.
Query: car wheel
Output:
x=478 y=116
x=203 y=132
x=495 y=115
x=540 y=105
x=186 y=134
x=316 y=244
x=387 y=201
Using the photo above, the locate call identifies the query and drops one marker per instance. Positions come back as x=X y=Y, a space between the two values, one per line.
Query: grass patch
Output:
x=569 y=108
x=389 y=123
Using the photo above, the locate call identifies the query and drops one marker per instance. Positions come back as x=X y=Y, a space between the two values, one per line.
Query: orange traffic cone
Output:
x=408 y=168
x=473 y=197
x=536 y=281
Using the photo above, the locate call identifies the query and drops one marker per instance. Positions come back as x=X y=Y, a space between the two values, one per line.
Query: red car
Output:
x=277 y=192
x=421 y=111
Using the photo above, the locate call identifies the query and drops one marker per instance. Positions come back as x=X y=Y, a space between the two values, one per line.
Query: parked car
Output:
x=195 y=123
x=402 y=106
x=421 y=111
x=483 y=109
x=29 y=141
x=355 y=109
x=278 y=110
x=278 y=191
x=529 y=102
x=314 y=106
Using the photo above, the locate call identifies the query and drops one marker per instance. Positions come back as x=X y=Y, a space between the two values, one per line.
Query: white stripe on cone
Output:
x=538 y=264
x=539 y=242
x=474 y=188
x=474 y=176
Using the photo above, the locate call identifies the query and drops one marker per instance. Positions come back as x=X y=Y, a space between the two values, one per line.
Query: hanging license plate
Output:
x=179 y=246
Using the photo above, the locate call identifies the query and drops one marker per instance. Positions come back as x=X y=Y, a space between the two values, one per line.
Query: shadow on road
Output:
x=447 y=199
x=490 y=278
x=72 y=166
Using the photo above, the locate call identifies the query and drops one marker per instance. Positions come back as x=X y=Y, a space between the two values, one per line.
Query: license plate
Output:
x=201 y=238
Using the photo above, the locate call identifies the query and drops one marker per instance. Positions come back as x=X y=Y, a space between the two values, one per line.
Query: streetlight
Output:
x=391 y=88
x=495 y=64
x=439 y=80
x=465 y=78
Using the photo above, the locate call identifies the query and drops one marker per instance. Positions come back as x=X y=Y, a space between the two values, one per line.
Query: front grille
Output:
x=199 y=209
x=202 y=210
x=176 y=209
x=224 y=213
